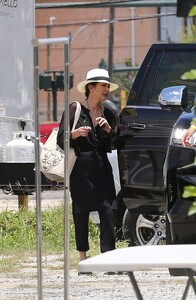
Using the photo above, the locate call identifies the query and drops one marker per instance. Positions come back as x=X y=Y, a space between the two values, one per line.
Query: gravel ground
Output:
x=155 y=284
x=22 y=284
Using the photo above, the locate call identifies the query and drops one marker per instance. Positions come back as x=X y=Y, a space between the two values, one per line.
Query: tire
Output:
x=141 y=229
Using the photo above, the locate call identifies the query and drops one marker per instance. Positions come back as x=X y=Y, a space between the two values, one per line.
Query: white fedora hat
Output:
x=96 y=75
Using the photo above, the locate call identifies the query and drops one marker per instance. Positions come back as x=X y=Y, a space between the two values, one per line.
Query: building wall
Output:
x=90 y=41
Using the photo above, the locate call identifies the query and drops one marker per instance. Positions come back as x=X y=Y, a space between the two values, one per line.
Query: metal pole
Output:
x=111 y=42
x=48 y=30
x=66 y=178
x=37 y=174
x=36 y=43
x=54 y=101
x=46 y=41
x=133 y=36
x=78 y=31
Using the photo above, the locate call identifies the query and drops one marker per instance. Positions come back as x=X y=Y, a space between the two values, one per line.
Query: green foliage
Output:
x=123 y=78
x=190 y=191
x=192 y=12
x=18 y=239
x=18 y=231
x=190 y=35
x=192 y=209
x=189 y=75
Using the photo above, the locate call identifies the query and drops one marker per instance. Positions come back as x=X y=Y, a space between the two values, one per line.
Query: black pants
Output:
x=107 y=232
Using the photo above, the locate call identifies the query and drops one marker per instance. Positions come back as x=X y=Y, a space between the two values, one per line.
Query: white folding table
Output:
x=145 y=257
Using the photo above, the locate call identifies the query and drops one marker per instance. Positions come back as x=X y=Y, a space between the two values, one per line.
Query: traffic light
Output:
x=45 y=81
x=60 y=80
x=184 y=6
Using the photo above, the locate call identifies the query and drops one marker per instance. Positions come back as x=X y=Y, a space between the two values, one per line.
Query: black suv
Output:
x=179 y=168
x=153 y=166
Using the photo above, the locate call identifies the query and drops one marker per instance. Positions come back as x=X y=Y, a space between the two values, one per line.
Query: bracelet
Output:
x=193 y=127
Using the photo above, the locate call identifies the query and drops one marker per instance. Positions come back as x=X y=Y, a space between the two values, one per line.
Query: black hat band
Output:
x=99 y=78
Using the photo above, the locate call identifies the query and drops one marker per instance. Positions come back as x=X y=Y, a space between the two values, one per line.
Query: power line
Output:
x=108 y=21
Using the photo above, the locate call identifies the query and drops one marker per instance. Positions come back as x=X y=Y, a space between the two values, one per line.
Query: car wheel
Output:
x=141 y=229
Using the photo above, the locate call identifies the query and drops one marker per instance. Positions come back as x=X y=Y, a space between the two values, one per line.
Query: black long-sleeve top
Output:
x=98 y=139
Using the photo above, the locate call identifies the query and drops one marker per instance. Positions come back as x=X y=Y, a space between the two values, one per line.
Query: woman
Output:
x=91 y=181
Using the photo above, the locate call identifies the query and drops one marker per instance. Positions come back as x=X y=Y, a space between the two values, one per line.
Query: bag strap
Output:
x=77 y=114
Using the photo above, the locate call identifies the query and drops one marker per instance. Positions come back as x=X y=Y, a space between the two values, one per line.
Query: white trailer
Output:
x=16 y=54
x=17 y=157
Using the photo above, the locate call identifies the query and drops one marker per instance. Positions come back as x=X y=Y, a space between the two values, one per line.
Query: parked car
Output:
x=179 y=168
x=145 y=133
x=46 y=129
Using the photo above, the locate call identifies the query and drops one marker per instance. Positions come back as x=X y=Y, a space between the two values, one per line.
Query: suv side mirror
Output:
x=174 y=98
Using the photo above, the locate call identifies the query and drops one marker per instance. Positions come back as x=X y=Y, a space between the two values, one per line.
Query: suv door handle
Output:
x=136 y=126
x=130 y=129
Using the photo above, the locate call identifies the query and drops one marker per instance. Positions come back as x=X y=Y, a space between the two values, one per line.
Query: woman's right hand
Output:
x=81 y=131
x=186 y=137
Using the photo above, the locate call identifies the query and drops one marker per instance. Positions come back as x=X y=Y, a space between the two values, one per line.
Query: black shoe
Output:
x=121 y=273
x=110 y=273
x=85 y=273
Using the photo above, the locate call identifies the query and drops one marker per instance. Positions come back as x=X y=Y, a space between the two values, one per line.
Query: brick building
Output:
x=133 y=34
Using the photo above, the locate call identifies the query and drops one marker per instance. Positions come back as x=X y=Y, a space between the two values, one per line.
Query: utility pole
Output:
x=49 y=29
x=111 y=42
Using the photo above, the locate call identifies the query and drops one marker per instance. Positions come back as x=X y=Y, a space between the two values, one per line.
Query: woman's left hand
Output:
x=104 y=124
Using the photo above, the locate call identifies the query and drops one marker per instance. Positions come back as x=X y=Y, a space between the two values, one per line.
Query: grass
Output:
x=18 y=239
